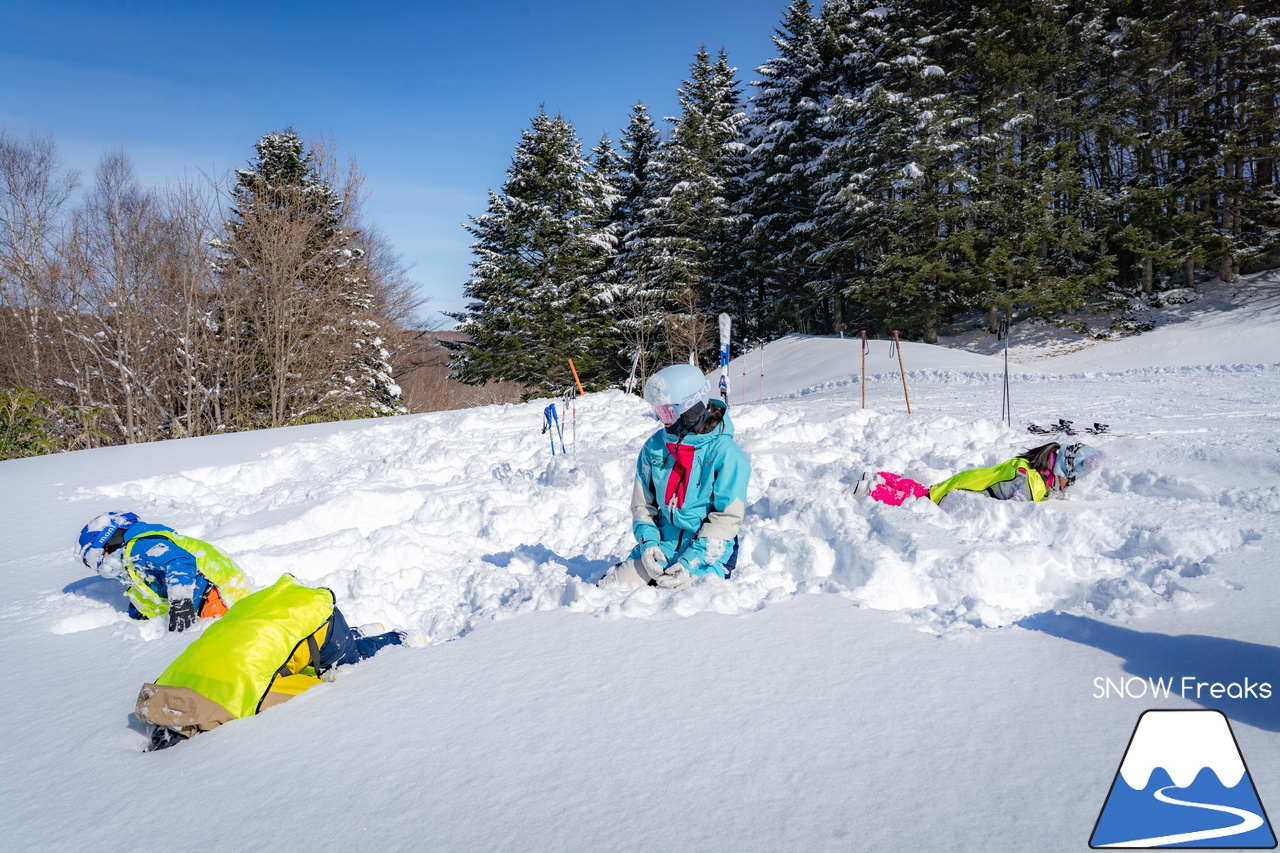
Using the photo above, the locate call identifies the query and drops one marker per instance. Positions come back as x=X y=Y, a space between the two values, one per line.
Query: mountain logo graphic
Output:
x=1183 y=783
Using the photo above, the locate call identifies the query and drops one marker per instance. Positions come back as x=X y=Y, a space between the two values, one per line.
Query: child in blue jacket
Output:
x=690 y=491
x=164 y=572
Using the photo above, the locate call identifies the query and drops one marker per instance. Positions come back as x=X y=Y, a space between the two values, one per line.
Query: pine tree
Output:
x=1029 y=202
x=784 y=138
x=869 y=127
x=607 y=167
x=542 y=248
x=638 y=304
x=306 y=336
x=639 y=144
x=688 y=232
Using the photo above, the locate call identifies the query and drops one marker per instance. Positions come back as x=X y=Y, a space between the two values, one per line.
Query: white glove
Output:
x=654 y=560
x=675 y=576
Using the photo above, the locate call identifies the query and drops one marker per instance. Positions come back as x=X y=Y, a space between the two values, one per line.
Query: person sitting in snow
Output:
x=1038 y=473
x=268 y=647
x=690 y=490
x=163 y=571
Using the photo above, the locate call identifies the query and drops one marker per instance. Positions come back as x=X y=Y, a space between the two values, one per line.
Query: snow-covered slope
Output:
x=872 y=678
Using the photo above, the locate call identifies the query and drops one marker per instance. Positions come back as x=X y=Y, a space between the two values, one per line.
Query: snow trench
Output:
x=438 y=522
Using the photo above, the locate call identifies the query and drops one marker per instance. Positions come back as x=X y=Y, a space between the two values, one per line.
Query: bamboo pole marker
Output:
x=864 y=368
x=898 y=346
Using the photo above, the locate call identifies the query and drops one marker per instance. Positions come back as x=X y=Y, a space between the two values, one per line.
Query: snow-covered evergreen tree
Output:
x=606 y=178
x=310 y=343
x=868 y=129
x=779 y=203
x=639 y=308
x=639 y=143
x=538 y=298
x=688 y=232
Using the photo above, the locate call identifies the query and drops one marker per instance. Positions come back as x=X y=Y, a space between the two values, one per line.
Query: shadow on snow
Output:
x=1202 y=658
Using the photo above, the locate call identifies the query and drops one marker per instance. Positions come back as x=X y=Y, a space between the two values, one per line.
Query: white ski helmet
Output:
x=678 y=392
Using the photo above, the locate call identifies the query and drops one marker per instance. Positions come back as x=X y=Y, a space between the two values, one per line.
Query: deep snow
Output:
x=873 y=677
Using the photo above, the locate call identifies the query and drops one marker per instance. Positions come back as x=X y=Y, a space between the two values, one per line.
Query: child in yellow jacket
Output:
x=1037 y=473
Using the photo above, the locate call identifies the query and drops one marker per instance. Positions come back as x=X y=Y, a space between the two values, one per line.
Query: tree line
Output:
x=899 y=163
x=131 y=314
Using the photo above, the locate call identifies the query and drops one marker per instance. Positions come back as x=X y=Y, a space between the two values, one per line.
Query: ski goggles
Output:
x=666 y=413
x=693 y=417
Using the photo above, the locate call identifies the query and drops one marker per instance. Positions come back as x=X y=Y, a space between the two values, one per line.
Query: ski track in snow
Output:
x=437 y=522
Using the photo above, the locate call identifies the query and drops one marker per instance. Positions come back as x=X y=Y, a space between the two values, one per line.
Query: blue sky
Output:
x=430 y=98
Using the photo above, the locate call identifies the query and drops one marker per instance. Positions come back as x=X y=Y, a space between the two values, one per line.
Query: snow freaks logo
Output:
x=1183 y=783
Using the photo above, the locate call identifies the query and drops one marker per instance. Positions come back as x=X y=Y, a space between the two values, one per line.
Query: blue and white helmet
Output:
x=676 y=393
x=101 y=538
x=1076 y=460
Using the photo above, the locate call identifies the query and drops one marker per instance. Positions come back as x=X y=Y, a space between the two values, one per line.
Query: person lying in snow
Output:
x=690 y=490
x=1035 y=475
x=267 y=648
x=163 y=571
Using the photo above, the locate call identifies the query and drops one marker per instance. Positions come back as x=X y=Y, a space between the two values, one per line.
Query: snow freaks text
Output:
x=1187 y=687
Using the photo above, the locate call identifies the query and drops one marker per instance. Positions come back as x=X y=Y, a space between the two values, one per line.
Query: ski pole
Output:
x=559 y=430
x=1006 y=404
x=631 y=380
x=898 y=346
x=762 y=346
x=546 y=425
x=570 y=400
x=575 y=407
x=864 y=368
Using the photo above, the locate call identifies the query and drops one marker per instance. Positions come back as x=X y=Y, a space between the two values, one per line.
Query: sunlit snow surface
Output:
x=872 y=678
x=437 y=522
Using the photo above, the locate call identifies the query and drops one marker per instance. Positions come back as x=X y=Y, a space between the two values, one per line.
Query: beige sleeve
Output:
x=643 y=509
x=726 y=524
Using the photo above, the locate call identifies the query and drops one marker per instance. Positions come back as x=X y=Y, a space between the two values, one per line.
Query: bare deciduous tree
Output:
x=34 y=189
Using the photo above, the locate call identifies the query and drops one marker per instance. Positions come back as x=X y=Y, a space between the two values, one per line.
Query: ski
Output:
x=724 y=357
x=1066 y=427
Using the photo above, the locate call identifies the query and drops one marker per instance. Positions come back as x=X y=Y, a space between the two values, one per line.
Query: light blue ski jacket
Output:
x=690 y=499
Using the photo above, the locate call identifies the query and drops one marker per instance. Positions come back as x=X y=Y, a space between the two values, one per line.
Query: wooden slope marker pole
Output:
x=898 y=346
x=864 y=368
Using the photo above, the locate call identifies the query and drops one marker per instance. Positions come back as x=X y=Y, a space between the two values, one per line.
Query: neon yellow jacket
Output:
x=240 y=658
x=980 y=479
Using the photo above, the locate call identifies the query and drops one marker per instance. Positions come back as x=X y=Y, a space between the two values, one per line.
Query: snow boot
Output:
x=862 y=488
x=163 y=737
